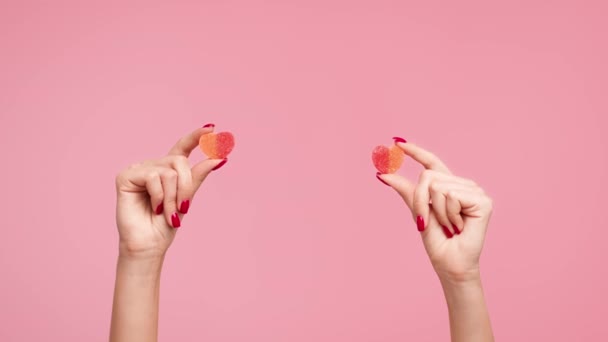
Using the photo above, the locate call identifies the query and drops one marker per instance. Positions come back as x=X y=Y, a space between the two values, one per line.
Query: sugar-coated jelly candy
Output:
x=387 y=159
x=217 y=145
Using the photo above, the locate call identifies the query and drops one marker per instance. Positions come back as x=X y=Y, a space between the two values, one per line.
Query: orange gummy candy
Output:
x=217 y=145
x=387 y=159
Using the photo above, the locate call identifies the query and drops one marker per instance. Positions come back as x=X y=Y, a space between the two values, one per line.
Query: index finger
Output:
x=424 y=157
x=186 y=144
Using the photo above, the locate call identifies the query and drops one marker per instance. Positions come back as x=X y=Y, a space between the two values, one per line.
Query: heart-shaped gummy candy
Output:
x=217 y=145
x=387 y=159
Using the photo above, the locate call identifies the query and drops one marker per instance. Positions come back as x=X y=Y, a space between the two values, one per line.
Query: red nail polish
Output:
x=183 y=208
x=220 y=164
x=209 y=125
x=380 y=179
x=456 y=229
x=159 y=209
x=398 y=139
x=447 y=232
x=420 y=223
x=175 y=220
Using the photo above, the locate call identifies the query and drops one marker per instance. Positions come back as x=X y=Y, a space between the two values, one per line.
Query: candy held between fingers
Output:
x=387 y=159
x=217 y=145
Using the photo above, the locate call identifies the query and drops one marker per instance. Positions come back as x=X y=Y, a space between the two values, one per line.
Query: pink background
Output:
x=295 y=239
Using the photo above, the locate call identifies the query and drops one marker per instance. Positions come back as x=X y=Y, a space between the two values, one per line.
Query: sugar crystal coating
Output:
x=387 y=159
x=217 y=145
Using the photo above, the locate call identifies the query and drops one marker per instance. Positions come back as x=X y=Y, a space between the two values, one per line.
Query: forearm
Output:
x=136 y=297
x=469 y=318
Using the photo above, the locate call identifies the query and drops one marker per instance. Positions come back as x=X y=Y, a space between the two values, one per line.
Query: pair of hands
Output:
x=452 y=213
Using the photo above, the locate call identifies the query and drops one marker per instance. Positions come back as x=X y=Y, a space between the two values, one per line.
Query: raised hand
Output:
x=154 y=195
x=152 y=198
x=452 y=215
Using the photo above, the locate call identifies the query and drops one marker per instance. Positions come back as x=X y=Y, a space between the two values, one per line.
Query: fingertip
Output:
x=379 y=177
x=175 y=220
x=220 y=164
x=184 y=206
x=207 y=128
x=447 y=232
x=159 y=209
x=420 y=224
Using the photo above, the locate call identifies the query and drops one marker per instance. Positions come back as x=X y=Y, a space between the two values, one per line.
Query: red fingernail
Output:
x=380 y=179
x=420 y=223
x=456 y=229
x=175 y=220
x=159 y=209
x=183 y=208
x=220 y=164
x=447 y=232
x=398 y=139
x=209 y=125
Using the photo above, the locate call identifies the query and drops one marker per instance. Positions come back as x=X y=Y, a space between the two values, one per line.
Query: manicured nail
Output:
x=398 y=139
x=209 y=125
x=447 y=232
x=183 y=208
x=420 y=223
x=456 y=229
x=175 y=220
x=380 y=179
x=220 y=164
x=159 y=209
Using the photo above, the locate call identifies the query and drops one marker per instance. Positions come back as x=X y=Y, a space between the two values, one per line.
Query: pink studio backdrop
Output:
x=294 y=239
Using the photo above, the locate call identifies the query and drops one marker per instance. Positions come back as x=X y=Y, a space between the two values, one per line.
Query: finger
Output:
x=402 y=185
x=454 y=211
x=422 y=197
x=168 y=177
x=147 y=179
x=185 y=189
x=434 y=234
x=201 y=170
x=439 y=207
x=424 y=157
x=473 y=204
x=186 y=144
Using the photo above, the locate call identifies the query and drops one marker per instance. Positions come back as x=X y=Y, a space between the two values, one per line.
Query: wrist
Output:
x=130 y=251
x=460 y=288
x=140 y=266
x=461 y=277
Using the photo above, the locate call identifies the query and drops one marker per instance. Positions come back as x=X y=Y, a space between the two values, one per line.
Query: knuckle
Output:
x=451 y=194
x=169 y=174
x=178 y=160
x=435 y=187
x=489 y=203
x=151 y=176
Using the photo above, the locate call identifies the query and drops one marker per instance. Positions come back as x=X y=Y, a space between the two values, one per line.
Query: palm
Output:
x=458 y=255
x=139 y=227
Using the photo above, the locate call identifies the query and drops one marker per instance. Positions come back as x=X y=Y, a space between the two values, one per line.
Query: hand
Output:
x=452 y=214
x=153 y=196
